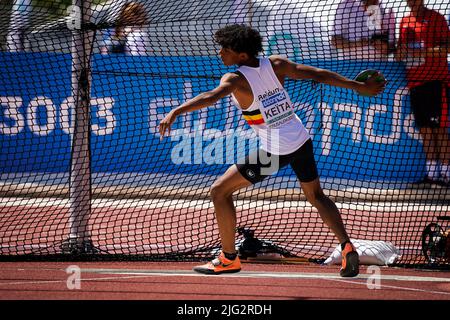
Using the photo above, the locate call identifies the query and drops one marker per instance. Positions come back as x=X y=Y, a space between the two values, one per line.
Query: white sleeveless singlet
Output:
x=271 y=114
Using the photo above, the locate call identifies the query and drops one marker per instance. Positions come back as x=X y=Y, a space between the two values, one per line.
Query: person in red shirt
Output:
x=424 y=47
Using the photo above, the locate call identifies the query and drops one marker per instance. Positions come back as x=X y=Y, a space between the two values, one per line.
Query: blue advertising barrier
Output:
x=355 y=137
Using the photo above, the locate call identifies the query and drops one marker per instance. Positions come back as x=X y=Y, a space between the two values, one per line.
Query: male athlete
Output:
x=257 y=88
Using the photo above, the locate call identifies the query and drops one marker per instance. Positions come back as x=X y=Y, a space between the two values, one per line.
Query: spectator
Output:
x=129 y=36
x=423 y=46
x=363 y=29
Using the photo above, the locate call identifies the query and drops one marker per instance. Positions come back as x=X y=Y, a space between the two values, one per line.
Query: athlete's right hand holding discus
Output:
x=374 y=85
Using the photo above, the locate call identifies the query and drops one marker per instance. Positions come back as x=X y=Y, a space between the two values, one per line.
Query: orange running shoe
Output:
x=350 y=261
x=220 y=265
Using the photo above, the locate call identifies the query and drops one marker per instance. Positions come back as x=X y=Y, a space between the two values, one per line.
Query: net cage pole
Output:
x=80 y=171
x=20 y=16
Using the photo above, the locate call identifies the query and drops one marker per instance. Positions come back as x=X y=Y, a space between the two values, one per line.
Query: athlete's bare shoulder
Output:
x=237 y=84
x=278 y=60
x=279 y=63
x=230 y=77
x=233 y=79
x=281 y=66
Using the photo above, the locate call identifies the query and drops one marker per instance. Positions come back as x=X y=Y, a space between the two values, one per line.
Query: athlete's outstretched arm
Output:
x=203 y=100
x=297 y=71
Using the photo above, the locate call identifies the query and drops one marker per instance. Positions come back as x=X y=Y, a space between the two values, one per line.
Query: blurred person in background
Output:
x=129 y=36
x=424 y=47
x=363 y=29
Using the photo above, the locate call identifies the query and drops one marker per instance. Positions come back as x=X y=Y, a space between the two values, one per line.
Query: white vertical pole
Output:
x=18 y=22
x=80 y=174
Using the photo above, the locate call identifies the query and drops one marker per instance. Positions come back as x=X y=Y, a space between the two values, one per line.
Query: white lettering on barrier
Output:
x=66 y=119
x=309 y=115
x=105 y=112
x=410 y=128
x=11 y=112
x=33 y=116
x=327 y=125
x=408 y=122
x=186 y=119
x=394 y=126
x=14 y=121
x=353 y=122
x=158 y=108
x=390 y=121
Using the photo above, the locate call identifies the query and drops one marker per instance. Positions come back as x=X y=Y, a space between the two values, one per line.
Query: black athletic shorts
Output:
x=429 y=104
x=260 y=164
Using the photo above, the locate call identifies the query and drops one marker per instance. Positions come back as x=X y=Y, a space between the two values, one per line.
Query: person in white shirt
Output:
x=130 y=36
x=363 y=29
x=258 y=90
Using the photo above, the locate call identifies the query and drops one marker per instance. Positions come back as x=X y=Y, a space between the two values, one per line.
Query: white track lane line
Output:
x=253 y=274
x=399 y=207
x=134 y=274
x=392 y=287
x=65 y=281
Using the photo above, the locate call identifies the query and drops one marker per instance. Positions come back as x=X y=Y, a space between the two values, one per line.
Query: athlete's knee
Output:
x=315 y=196
x=218 y=191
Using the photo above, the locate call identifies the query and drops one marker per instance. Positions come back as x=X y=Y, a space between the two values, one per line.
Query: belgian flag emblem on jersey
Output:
x=253 y=117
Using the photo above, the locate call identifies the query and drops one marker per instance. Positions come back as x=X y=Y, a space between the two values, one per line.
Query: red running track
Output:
x=176 y=281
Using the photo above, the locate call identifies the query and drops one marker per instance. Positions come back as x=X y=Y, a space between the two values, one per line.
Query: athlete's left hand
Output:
x=166 y=123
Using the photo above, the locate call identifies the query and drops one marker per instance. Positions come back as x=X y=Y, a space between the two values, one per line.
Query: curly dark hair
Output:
x=239 y=38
